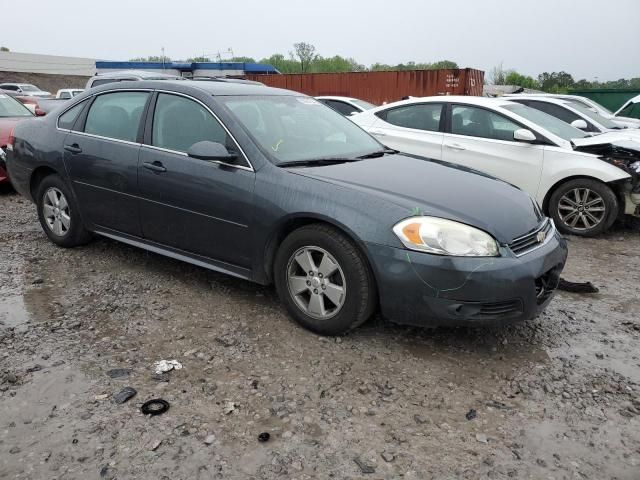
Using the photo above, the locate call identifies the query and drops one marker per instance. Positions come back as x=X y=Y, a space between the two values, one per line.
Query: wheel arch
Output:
x=294 y=222
x=39 y=174
x=612 y=184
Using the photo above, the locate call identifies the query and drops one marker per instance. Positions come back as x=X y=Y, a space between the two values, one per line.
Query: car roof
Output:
x=468 y=99
x=335 y=97
x=135 y=73
x=212 y=88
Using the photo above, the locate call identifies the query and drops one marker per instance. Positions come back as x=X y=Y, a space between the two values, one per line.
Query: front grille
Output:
x=533 y=240
x=499 y=309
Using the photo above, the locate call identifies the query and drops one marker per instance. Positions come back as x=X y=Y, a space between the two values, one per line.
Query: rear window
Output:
x=116 y=115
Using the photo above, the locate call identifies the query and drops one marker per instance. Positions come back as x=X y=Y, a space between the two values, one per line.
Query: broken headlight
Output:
x=445 y=237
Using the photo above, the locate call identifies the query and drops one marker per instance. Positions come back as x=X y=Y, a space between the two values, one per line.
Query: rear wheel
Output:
x=324 y=281
x=583 y=207
x=58 y=213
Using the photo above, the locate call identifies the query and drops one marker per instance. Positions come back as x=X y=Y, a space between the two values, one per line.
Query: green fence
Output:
x=612 y=98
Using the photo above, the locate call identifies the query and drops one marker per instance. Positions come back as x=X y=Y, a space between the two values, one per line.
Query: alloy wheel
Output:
x=56 y=211
x=581 y=209
x=316 y=282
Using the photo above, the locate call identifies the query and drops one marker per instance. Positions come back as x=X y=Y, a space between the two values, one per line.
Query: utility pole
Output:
x=162 y=48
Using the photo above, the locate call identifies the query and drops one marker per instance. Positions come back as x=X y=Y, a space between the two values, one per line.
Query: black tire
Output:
x=360 y=298
x=563 y=218
x=75 y=234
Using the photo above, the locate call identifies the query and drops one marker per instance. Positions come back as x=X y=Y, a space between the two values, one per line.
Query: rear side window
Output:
x=342 y=107
x=478 y=122
x=68 y=118
x=178 y=123
x=420 y=117
x=116 y=115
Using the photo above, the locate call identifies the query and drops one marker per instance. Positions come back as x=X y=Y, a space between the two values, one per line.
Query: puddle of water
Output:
x=13 y=312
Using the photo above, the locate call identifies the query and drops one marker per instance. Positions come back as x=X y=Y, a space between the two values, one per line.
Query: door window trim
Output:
x=146 y=141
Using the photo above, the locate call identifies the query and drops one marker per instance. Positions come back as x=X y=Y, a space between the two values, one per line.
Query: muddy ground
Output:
x=554 y=398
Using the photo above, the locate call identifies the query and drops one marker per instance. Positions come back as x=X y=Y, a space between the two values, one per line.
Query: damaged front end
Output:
x=624 y=154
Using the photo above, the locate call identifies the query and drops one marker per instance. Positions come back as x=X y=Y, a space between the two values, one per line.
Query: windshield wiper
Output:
x=379 y=153
x=314 y=162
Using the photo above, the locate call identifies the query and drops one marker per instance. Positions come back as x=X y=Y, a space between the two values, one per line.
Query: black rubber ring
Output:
x=156 y=406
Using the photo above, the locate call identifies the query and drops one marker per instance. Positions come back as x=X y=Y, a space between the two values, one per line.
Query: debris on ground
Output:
x=482 y=438
x=157 y=406
x=264 y=437
x=118 y=372
x=364 y=467
x=471 y=414
x=230 y=407
x=163 y=366
x=209 y=439
x=577 y=287
x=125 y=394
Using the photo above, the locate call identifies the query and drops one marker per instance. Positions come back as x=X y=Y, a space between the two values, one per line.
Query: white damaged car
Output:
x=583 y=182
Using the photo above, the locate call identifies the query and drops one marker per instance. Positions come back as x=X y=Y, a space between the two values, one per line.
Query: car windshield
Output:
x=605 y=122
x=297 y=129
x=362 y=104
x=546 y=121
x=593 y=104
x=12 y=108
x=29 y=88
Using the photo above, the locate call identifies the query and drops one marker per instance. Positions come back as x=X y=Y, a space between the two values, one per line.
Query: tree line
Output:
x=554 y=82
x=304 y=59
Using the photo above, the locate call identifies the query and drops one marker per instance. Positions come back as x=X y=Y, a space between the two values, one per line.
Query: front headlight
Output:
x=445 y=237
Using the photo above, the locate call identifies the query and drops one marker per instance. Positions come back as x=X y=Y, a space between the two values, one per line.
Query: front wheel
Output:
x=583 y=207
x=324 y=281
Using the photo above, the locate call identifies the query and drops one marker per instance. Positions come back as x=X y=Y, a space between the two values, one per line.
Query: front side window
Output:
x=68 y=118
x=295 y=128
x=479 y=122
x=424 y=116
x=179 y=123
x=116 y=115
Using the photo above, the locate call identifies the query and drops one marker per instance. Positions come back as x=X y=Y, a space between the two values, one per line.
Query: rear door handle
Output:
x=155 y=166
x=377 y=133
x=75 y=148
x=454 y=146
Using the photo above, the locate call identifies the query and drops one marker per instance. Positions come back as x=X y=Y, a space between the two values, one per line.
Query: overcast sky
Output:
x=587 y=38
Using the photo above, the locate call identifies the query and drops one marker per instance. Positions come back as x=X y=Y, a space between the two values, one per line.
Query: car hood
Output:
x=422 y=186
x=6 y=125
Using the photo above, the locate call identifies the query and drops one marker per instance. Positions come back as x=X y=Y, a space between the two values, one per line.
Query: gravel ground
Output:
x=553 y=398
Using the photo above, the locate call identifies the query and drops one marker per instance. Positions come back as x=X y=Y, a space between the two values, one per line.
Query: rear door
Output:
x=414 y=129
x=101 y=157
x=197 y=206
x=482 y=139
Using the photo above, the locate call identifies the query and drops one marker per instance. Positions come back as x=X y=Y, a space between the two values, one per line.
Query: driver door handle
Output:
x=455 y=146
x=377 y=132
x=154 y=166
x=75 y=148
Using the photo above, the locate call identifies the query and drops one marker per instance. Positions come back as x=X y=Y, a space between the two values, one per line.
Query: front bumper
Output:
x=429 y=290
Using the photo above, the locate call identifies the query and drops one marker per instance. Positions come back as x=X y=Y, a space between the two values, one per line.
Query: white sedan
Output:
x=583 y=182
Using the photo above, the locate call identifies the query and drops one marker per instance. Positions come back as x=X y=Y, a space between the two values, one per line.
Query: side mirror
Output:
x=524 y=135
x=39 y=112
x=579 y=123
x=207 y=150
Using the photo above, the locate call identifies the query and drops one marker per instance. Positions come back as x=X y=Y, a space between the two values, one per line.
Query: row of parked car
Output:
x=580 y=165
x=409 y=208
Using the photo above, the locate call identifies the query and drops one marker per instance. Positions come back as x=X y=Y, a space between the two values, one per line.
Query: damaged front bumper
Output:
x=429 y=290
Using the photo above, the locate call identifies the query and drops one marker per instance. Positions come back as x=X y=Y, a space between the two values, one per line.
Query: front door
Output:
x=193 y=205
x=101 y=157
x=483 y=140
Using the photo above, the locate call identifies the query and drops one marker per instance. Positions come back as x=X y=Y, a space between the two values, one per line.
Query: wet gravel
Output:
x=260 y=398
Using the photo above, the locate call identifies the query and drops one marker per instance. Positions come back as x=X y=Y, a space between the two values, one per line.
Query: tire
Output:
x=572 y=215
x=58 y=213
x=347 y=296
